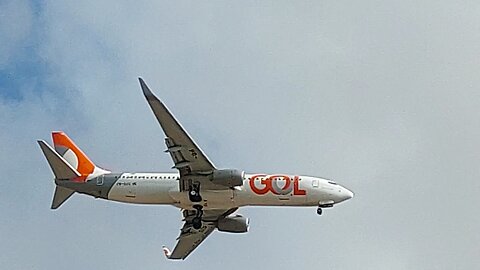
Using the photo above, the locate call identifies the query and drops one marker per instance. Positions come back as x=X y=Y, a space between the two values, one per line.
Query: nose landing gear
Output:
x=320 y=206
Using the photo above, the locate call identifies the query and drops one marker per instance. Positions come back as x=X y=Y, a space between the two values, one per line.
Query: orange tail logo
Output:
x=72 y=154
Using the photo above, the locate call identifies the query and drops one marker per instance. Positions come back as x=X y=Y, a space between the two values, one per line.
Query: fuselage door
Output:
x=100 y=180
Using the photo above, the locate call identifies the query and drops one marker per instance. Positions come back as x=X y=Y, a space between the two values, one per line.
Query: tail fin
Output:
x=74 y=156
x=60 y=167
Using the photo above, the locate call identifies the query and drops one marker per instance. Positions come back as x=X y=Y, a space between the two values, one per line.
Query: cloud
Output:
x=379 y=96
x=15 y=27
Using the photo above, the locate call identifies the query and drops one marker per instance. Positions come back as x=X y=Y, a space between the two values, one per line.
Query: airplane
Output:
x=208 y=196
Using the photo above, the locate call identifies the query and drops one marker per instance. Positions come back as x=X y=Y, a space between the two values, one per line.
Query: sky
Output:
x=381 y=96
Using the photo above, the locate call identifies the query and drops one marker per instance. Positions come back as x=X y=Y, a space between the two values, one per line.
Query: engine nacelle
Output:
x=233 y=224
x=228 y=177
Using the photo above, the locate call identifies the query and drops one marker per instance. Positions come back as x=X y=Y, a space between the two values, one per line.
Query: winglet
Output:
x=167 y=252
x=146 y=91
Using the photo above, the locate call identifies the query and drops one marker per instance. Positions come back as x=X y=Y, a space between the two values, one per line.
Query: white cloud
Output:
x=15 y=27
x=380 y=96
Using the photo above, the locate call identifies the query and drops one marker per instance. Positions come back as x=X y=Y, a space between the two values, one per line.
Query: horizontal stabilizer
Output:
x=61 y=195
x=60 y=167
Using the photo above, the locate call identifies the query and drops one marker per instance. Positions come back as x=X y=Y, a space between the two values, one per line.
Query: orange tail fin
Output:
x=72 y=154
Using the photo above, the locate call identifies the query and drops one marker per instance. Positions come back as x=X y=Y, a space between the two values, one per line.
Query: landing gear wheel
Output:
x=197 y=220
x=194 y=193
x=319 y=211
x=197 y=223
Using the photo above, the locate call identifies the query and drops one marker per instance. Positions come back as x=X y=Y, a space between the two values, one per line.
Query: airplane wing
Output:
x=191 y=238
x=188 y=158
x=186 y=155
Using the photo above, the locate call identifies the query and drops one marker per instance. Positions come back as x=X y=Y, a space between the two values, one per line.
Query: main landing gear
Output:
x=321 y=206
x=197 y=220
x=194 y=196
x=194 y=192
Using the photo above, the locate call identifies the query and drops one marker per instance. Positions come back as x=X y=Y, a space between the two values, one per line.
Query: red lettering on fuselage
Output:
x=278 y=184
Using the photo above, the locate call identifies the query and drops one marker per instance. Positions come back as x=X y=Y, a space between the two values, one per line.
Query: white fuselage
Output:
x=257 y=190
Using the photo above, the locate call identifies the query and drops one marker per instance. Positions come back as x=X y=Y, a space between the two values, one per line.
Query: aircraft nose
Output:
x=345 y=194
x=349 y=194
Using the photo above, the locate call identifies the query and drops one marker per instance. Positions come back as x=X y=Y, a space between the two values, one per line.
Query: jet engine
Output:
x=233 y=224
x=228 y=177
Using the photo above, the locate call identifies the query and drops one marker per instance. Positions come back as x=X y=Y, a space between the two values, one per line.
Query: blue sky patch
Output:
x=25 y=70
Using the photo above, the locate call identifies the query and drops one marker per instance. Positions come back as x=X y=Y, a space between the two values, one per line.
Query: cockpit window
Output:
x=333 y=183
